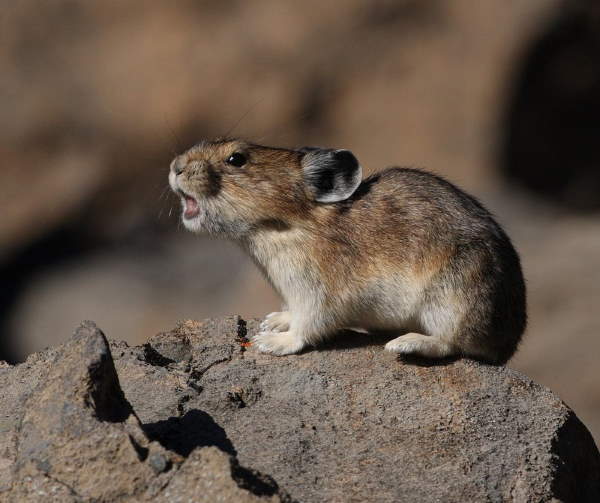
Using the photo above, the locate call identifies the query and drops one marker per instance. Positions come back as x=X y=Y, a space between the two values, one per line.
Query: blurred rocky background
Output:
x=96 y=97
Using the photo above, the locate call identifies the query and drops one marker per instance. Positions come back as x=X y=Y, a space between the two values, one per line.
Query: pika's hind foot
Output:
x=420 y=345
x=278 y=343
x=276 y=322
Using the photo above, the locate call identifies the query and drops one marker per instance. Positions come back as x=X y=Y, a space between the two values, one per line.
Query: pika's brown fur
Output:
x=401 y=251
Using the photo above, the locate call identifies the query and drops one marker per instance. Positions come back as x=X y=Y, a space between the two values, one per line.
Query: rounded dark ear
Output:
x=331 y=175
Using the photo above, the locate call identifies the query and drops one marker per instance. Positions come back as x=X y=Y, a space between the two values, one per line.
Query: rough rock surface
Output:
x=345 y=422
x=67 y=434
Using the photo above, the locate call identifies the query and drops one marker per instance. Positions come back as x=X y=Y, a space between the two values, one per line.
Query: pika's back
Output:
x=414 y=209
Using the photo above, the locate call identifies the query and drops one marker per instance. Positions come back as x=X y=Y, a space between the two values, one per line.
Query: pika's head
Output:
x=231 y=187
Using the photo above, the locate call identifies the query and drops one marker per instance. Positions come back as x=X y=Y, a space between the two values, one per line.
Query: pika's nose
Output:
x=177 y=165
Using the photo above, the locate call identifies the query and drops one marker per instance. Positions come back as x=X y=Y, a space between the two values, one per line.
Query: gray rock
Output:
x=69 y=434
x=350 y=422
x=344 y=422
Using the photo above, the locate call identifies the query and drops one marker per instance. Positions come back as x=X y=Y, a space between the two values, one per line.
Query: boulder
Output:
x=68 y=434
x=182 y=416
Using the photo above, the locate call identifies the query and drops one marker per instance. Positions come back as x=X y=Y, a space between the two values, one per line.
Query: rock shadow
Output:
x=420 y=361
x=196 y=428
x=350 y=339
x=183 y=434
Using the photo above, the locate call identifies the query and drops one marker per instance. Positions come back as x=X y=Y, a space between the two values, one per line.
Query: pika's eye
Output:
x=237 y=160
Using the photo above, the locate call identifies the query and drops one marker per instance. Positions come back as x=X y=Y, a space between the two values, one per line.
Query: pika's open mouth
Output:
x=191 y=206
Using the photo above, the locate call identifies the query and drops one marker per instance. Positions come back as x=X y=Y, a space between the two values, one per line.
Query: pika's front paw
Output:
x=278 y=343
x=276 y=322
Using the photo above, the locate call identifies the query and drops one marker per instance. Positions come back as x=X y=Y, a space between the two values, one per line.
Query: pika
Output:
x=402 y=251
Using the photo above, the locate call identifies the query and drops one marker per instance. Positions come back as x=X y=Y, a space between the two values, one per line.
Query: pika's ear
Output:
x=331 y=175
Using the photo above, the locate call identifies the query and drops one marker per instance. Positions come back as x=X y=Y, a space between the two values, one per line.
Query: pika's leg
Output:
x=420 y=345
x=303 y=330
x=275 y=336
x=279 y=343
x=276 y=322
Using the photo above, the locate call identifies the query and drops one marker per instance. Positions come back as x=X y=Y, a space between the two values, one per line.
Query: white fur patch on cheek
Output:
x=173 y=181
